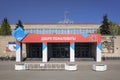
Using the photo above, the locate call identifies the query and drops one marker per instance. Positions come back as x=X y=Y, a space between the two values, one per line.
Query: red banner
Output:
x=45 y=38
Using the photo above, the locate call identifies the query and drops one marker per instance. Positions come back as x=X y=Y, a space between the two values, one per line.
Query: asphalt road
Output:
x=84 y=72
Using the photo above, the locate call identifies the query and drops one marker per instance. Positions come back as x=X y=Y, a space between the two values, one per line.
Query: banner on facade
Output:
x=11 y=46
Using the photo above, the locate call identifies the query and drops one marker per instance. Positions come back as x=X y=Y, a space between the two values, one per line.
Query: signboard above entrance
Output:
x=45 y=38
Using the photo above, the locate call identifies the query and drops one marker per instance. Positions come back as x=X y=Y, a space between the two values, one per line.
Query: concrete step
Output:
x=59 y=59
x=33 y=59
x=84 y=59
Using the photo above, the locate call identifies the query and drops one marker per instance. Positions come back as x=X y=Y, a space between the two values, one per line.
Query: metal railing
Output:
x=45 y=66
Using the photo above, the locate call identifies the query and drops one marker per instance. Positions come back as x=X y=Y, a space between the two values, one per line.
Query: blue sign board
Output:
x=19 y=34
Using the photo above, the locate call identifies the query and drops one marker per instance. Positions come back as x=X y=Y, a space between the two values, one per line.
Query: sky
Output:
x=52 y=11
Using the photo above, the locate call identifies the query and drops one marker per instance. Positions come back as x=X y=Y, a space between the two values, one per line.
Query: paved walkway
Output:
x=84 y=72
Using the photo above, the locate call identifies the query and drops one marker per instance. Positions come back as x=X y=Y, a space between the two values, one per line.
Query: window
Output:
x=27 y=30
x=59 y=31
x=83 y=31
x=46 y=31
x=77 y=31
x=89 y=31
x=34 y=31
x=49 y=31
x=65 y=31
x=95 y=30
x=71 y=31
x=40 y=31
x=92 y=30
x=53 y=31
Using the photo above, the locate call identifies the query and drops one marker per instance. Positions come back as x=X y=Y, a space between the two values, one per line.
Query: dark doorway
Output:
x=34 y=50
x=58 y=50
x=85 y=50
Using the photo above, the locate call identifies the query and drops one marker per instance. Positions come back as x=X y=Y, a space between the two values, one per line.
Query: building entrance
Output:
x=34 y=50
x=58 y=50
x=85 y=50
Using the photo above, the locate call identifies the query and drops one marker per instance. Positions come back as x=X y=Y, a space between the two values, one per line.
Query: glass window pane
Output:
x=71 y=31
x=77 y=31
x=95 y=30
x=83 y=31
x=65 y=31
x=27 y=30
x=53 y=31
x=89 y=31
x=40 y=31
x=58 y=31
x=46 y=31
x=34 y=31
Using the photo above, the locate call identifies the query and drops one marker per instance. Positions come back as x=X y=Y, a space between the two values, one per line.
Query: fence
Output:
x=45 y=66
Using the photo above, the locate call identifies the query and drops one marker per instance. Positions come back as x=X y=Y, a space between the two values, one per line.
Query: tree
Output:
x=104 y=28
x=118 y=30
x=114 y=28
x=19 y=24
x=5 y=28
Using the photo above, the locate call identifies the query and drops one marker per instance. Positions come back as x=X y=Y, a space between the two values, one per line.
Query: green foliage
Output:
x=104 y=28
x=119 y=30
x=5 y=28
x=19 y=24
x=114 y=28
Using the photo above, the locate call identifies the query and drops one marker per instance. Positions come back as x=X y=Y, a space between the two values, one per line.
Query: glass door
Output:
x=82 y=50
x=35 y=50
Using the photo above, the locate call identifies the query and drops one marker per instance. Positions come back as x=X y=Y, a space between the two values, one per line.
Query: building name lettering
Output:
x=57 y=38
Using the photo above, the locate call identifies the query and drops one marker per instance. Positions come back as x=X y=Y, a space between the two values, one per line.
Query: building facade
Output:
x=58 y=41
x=70 y=42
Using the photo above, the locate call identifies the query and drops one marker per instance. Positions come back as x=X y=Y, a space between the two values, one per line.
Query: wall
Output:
x=3 y=46
x=110 y=46
x=4 y=52
x=57 y=26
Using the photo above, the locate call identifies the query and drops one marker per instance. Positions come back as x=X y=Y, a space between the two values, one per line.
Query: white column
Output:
x=18 y=52
x=44 y=53
x=72 y=52
x=98 y=53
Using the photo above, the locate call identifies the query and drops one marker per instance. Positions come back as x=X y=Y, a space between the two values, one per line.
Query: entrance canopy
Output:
x=45 y=38
x=74 y=43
